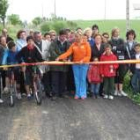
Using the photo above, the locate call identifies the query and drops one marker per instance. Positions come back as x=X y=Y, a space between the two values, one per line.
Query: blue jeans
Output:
x=135 y=81
x=95 y=88
x=80 y=74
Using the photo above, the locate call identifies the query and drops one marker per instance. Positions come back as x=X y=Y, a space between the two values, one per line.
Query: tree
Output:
x=3 y=9
x=37 y=21
x=14 y=19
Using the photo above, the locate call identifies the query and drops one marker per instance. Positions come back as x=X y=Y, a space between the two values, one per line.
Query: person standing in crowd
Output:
x=105 y=36
x=81 y=52
x=79 y=30
x=3 y=50
x=130 y=52
x=108 y=72
x=53 y=35
x=58 y=73
x=9 y=58
x=97 y=51
x=43 y=46
x=135 y=69
x=88 y=33
x=21 y=40
x=29 y=54
x=95 y=30
x=130 y=43
x=5 y=33
x=119 y=50
x=94 y=78
x=31 y=32
x=98 y=47
x=47 y=37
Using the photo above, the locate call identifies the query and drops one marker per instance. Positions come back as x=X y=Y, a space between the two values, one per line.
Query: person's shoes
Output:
x=96 y=96
x=83 y=98
x=116 y=93
x=106 y=96
x=18 y=95
x=1 y=101
x=111 y=97
x=29 y=96
x=76 y=97
x=48 y=94
x=24 y=94
x=123 y=93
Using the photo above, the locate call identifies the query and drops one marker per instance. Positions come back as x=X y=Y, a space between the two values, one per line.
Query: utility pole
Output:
x=55 y=8
x=127 y=15
x=105 y=11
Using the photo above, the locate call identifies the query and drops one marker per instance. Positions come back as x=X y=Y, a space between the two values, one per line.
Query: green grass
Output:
x=108 y=25
x=104 y=26
x=127 y=88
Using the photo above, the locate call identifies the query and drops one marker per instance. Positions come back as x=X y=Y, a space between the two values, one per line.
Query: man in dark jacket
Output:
x=58 y=73
x=135 y=69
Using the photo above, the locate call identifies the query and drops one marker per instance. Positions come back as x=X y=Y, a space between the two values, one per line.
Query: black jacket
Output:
x=129 y=51
x=29 y=56
x=118 y=48
x=97 y=53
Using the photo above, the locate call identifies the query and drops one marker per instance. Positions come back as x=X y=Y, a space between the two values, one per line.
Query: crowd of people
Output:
x=79 y=79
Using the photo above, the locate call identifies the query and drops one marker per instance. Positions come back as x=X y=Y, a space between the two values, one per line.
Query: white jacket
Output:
x=45 y=54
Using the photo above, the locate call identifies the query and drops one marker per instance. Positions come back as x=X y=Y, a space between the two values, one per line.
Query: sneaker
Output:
x=76 y=97
x=111 y=97
x=123 y=93
x=18 y=96
x=1 y=101
x=29 y=96
x=116 y=93
x=83 y=98
x=106 y=96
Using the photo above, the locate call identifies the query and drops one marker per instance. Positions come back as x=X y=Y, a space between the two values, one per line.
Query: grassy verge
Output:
x=129 y=91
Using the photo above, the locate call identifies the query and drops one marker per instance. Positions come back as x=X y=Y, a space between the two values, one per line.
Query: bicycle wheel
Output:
x=12 y=102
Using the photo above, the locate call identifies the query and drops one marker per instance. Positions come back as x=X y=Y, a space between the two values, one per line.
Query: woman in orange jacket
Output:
x=81 y=52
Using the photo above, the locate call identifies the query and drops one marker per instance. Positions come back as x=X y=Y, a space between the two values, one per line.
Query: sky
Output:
x=73 y=9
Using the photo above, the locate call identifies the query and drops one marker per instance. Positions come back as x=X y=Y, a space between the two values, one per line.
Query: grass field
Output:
x=104 y=26
x=108 y=25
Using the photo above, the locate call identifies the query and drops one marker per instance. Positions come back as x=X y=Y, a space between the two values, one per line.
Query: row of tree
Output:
x=45 y=24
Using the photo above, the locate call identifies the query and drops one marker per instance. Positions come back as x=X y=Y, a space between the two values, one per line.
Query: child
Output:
x=108 y=71
x=135 y=69
x=9 y=58
x=94 y=78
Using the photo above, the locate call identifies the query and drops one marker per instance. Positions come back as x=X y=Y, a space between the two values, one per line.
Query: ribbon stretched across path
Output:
x=71 y=63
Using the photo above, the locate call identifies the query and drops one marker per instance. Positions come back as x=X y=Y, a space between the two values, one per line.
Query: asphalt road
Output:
x=69 y=119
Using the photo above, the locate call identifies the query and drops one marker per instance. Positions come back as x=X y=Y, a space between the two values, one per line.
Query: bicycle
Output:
x=36 y=85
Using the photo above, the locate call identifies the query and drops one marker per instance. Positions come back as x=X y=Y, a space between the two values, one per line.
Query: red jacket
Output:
x=94 y=74
x=105 y=69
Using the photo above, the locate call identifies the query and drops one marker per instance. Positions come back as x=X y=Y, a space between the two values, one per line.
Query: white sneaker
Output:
x=111 y=97
x=106 y=96
x=29 y=96
x=119 y=94
x=116 y=93
x=18 y=96
x=123 y=93
x=1 y=101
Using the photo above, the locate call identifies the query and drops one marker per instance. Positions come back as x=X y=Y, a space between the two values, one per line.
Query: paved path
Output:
x=68 y=119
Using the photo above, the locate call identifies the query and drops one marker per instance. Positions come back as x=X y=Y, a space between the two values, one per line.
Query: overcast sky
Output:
x=73 y=9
